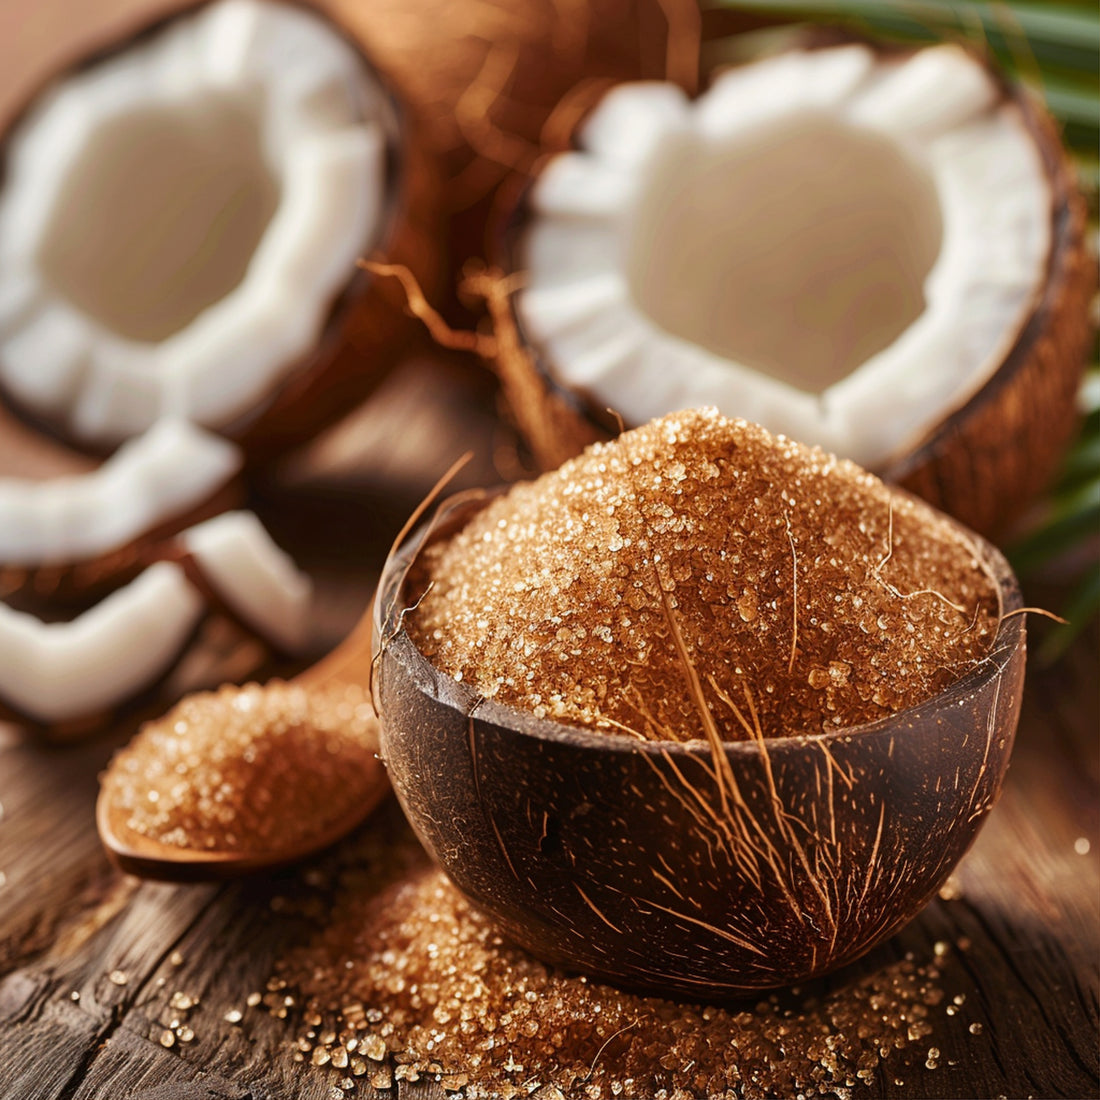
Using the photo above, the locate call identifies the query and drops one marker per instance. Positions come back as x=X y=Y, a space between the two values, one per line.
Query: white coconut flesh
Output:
x=165 y=472
x=257 y=580
x=61 y=671
x=56 y=672
x=840 y=245
x=177 y=220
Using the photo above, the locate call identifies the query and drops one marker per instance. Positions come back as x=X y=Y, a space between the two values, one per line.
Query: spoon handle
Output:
x=348 y=663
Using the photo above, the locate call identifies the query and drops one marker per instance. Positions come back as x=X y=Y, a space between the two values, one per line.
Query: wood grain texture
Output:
x=1029 y=900
x=1028 y=912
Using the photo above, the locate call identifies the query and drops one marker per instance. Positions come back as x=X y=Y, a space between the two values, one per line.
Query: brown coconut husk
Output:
x=986 y=460
x=487 y=74
x=494 y=78
x=997 y=452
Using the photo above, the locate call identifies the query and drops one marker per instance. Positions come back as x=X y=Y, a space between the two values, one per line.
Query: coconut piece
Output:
x=62 y=672
x=848 y=245
x=168 y=471
x=180 y=221
x=58 y=672
x=253 y=578
x=73 y=529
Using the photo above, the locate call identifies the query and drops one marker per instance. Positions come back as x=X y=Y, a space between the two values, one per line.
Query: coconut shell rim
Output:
x=455 y=695
x=1066 y=247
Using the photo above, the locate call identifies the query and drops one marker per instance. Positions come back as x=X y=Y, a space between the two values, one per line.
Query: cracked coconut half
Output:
x=179 y=227
x=879 y=252
x=66 y=673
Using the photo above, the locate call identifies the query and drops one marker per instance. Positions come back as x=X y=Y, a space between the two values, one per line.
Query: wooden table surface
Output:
x=1025 y=904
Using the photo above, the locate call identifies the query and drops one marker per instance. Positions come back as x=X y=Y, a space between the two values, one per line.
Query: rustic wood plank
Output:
x=1027 y=912
x=1019 y=945
x=47 y=856
x=138 y=1069
x=55 y=1012
x=226 y=954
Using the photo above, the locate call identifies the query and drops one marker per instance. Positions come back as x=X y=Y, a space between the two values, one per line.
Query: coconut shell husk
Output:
x=517 y=58
x=501 y=82
x=987 y=459
x=1001 y=449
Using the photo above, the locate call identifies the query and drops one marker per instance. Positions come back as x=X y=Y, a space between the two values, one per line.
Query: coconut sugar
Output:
x=806 y=594
x=404 y=980
x=254 y=768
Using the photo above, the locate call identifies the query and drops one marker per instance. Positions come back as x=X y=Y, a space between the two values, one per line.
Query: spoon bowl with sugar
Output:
x=247 y=779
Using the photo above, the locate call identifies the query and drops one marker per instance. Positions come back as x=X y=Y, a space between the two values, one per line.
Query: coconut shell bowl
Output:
x=643 y=864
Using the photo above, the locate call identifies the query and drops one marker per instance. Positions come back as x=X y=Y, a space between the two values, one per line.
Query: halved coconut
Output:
x=179 y=227
x=875 y=251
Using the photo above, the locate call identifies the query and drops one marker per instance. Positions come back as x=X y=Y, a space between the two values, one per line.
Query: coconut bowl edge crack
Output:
x=699 y=867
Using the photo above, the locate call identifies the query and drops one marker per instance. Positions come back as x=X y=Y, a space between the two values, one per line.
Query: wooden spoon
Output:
x=139 y=854
x=348 y=664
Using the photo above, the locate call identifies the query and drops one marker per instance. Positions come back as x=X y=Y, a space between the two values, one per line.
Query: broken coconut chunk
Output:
x=178 y=219
x=59 y=672
x=56 y=672
x=254 y=578
x=846 y=244
x=169 y=470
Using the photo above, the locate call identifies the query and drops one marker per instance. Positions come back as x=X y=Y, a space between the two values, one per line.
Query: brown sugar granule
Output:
x=808 y=595
x=404 y=969
x=250 y=768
